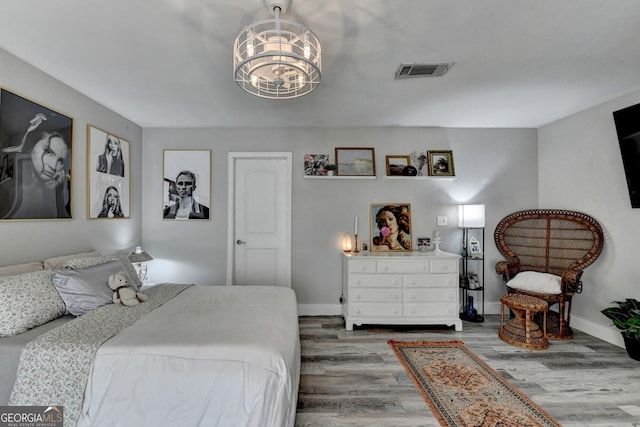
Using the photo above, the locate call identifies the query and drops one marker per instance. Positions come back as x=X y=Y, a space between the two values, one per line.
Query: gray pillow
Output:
x=85 y=289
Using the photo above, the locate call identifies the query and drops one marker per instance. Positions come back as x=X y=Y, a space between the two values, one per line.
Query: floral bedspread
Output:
x=54 y=367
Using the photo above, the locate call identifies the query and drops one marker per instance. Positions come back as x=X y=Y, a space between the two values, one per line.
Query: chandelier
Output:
x=277 y=59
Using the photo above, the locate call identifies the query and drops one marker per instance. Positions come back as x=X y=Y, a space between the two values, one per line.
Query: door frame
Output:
x=232 y=158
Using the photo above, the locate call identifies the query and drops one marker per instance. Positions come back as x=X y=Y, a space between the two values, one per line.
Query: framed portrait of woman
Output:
x=390 y=227
x=35 y=160
x=107 y=175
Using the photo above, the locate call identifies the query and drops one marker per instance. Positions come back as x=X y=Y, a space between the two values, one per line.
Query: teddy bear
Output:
x=123 y=293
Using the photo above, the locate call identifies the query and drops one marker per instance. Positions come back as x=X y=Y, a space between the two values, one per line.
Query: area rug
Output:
x=462 y=390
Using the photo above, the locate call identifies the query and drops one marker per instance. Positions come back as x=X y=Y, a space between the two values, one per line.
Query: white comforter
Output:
x=212 y=356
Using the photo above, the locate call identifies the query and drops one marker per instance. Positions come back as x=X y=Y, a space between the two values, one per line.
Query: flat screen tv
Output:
x=627 y=123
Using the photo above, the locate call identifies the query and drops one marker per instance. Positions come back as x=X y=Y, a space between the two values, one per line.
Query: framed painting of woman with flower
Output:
x=390 y=227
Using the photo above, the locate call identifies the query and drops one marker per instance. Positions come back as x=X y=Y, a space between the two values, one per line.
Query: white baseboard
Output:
x=319 y=309
x=608 y=334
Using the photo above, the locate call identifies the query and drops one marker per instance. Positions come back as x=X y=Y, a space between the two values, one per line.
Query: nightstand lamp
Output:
x=139 y=259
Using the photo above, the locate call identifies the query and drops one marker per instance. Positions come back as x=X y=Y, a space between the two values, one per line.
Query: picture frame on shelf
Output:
x=440 y=163
x=355 y=161
x=36 y=147
x=315 y=164
x=107 y=175
x=423 y=243
x=396 y=164
x=186 y=188
x=390 y=227
x=475 y=251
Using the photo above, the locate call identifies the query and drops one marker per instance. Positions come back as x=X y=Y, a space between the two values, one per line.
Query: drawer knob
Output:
x=413 y=282
x=450 y=296
x=358 y=282
x=423 y=267
x=395 y=282
x=450 y=281
x=444 y=267
x=357 y=311
x=412 y=297
x=357 y=296
x=385 y=267
x=450 y=311
x=363 y=268
x=395 y=296
x=395 y=311
x=413 y=311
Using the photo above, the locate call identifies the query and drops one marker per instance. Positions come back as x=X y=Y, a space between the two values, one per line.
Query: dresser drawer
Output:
x=402 y=266
x=375 y=310
x=431 y=281
x=375 y=295
x=443 y=266
x=430 y=295
x=361 y=266
x=431 y=310
x=375 y=281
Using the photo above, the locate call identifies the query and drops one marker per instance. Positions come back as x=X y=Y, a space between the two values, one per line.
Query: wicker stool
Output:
x=522 y=331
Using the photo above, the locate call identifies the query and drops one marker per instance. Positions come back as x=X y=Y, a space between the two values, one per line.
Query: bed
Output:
x=188 y=356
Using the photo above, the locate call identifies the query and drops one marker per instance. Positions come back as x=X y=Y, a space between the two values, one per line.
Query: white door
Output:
x=259 y=245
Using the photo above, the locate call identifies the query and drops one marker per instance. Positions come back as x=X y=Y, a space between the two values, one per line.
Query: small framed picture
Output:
x=475 y=251
x=423 y=243
x=441 y=163
x=390 y=227
x=315 y=164
x=355 y=161
x=396 y=164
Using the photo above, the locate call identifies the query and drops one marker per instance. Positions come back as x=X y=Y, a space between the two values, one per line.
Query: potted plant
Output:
x=330 y=167
x=626 y=317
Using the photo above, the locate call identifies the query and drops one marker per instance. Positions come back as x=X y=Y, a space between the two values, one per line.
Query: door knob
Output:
x=240 y=242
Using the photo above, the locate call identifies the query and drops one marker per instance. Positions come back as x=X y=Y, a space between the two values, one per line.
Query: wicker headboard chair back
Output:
x=559 y=242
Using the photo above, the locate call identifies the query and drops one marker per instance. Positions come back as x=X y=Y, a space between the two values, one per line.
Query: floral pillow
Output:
x=28 y=300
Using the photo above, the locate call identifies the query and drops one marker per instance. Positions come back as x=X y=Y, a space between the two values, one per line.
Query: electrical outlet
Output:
x=442 y=220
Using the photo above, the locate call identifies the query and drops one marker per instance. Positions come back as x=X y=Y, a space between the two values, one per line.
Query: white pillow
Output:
x=12 y=270
x=28 y=300
x=544 y=283
x=85 y=289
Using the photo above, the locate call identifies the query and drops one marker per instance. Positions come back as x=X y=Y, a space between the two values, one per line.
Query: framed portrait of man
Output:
x=390 y=227
x=107 y=175
x=35 y=160
x=186 y=184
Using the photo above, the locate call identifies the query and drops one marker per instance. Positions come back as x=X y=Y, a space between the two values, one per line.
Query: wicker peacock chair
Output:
x=560 y=243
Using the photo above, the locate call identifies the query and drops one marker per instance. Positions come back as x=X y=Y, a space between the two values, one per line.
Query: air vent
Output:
x=422 y=69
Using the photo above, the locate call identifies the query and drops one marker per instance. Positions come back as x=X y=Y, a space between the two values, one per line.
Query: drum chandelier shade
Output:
x=277 y=59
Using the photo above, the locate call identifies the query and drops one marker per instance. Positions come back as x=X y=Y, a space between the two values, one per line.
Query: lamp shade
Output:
x=471 y=216
x=139 y=256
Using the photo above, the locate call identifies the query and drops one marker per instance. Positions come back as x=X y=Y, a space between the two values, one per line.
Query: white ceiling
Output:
x=168 y=63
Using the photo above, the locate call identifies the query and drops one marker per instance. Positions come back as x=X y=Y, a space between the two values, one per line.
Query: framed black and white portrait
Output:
x=35 y=160
x=107 y=175
x=186 y=184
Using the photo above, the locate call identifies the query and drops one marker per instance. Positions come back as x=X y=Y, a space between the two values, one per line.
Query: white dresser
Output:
x=401 y=288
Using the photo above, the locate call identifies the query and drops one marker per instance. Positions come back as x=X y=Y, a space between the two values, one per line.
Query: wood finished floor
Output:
x=353 y=378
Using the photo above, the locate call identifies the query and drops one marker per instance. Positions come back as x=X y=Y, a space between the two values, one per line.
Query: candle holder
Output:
x=355 y=246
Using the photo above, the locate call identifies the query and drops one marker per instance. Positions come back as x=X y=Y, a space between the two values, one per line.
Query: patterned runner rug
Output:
x=462 y=390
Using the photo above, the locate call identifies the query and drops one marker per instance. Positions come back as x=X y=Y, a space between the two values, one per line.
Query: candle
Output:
x=356 y=225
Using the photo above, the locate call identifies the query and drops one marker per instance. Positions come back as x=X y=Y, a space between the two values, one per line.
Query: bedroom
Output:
x=558 y=163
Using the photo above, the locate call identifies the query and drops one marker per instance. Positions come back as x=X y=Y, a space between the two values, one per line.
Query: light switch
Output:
x=442 y=220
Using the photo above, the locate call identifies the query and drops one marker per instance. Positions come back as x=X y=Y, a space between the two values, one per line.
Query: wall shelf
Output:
x=337 y=177
x=422 y=177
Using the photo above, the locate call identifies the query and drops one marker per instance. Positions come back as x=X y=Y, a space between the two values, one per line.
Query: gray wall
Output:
x=580 y=168
x=496 y=167
x=24 y=241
